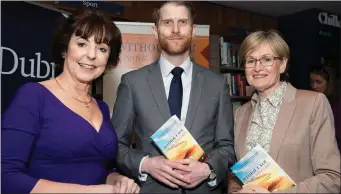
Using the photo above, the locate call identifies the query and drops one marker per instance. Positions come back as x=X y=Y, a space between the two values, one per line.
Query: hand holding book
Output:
x=258 y=168
x=199 y=171
x=178 y=145
x=176 y=142
x=252 y=188
x=166 y=171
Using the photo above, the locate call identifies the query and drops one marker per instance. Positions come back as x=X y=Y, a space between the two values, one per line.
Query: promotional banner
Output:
x=140 y=48
x=26 y=49
x=26 y=34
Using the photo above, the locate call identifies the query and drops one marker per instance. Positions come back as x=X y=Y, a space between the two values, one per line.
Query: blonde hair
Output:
x=271 y=37
x=275 y=41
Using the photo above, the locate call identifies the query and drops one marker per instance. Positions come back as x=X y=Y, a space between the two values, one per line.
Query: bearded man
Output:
x=174 y=85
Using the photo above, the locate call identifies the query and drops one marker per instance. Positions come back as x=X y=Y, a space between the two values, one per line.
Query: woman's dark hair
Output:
x=320 y=70
x=86 y=24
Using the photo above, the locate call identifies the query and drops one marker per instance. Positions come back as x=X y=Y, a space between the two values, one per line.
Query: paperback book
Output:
x=257 y=167
x=176 y=142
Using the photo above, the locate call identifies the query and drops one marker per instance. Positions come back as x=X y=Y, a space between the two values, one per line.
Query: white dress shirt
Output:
x=186 y=79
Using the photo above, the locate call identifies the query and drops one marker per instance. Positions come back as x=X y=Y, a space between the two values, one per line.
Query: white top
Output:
x=186 y=78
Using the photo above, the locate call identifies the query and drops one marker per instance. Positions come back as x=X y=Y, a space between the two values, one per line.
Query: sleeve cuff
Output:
x=212 y=183
x=143 y=176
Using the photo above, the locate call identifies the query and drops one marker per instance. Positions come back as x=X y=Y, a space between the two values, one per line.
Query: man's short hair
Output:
x=188 y=5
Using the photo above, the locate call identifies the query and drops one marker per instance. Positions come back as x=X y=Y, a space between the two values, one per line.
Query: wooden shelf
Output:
x=241 y=98
x=226 y=69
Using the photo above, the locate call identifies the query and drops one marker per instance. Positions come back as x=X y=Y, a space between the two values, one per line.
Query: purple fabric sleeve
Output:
x=20 y=125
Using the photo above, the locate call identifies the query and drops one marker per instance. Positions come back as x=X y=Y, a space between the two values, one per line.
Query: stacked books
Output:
x=258 y=168
x=176 y=142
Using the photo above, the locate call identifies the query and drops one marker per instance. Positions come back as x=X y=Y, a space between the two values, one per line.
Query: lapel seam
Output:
x=192 y=111
x=152 y=89
x=247 y=129
x=290 y=105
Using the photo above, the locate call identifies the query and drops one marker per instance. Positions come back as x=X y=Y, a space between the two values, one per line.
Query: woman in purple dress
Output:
x=56 y=137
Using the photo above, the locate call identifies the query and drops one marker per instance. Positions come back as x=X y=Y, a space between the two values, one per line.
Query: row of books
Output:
x=256 y=167
x=229 y=53
x=237 y=83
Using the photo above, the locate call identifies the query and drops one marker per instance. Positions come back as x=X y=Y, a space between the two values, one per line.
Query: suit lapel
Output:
x=283 y=121
x=158 y=90
x=196 y=88
x=245 y=126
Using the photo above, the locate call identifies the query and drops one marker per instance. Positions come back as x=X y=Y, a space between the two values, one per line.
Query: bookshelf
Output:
x=224 y=60
x=226 y=69
x=235 y=39
x=231 y=66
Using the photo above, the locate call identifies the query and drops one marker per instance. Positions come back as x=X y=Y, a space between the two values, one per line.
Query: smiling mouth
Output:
x=259 y=76
x=86 y=66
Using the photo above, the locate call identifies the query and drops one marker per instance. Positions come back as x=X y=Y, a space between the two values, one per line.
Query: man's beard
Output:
x=176 y=47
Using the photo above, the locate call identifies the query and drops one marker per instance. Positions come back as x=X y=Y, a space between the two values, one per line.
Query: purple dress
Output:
x=44 y=139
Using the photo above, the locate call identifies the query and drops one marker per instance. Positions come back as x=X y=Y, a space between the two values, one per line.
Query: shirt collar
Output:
x=275 y=98
x=167 y=67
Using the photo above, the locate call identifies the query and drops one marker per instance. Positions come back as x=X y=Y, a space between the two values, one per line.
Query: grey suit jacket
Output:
x=141 y=108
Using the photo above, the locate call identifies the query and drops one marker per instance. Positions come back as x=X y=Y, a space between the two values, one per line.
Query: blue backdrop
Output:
x=26 y=32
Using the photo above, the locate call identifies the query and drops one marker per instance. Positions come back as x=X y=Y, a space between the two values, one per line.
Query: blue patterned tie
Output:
x=175 y=92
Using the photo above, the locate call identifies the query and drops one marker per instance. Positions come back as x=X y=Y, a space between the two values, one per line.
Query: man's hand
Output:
x=253 y=189
x=199 y=171
x=125 y=184
x=165 y=171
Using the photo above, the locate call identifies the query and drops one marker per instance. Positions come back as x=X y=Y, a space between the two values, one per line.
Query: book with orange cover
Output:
x=257 y=167
x=176 y=142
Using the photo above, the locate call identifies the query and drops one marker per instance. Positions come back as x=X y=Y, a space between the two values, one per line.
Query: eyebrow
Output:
x=265 y=55
x=81 y=38
x=102 y=43
x=171 y=19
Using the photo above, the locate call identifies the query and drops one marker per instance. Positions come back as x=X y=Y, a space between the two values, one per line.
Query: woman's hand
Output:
x=253 y=189
x=103 y=189
x=125 y=184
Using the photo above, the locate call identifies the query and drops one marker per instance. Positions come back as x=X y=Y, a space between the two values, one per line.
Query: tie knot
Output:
x=177 y=71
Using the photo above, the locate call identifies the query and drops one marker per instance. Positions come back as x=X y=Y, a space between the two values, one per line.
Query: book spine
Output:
x=223 y=51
